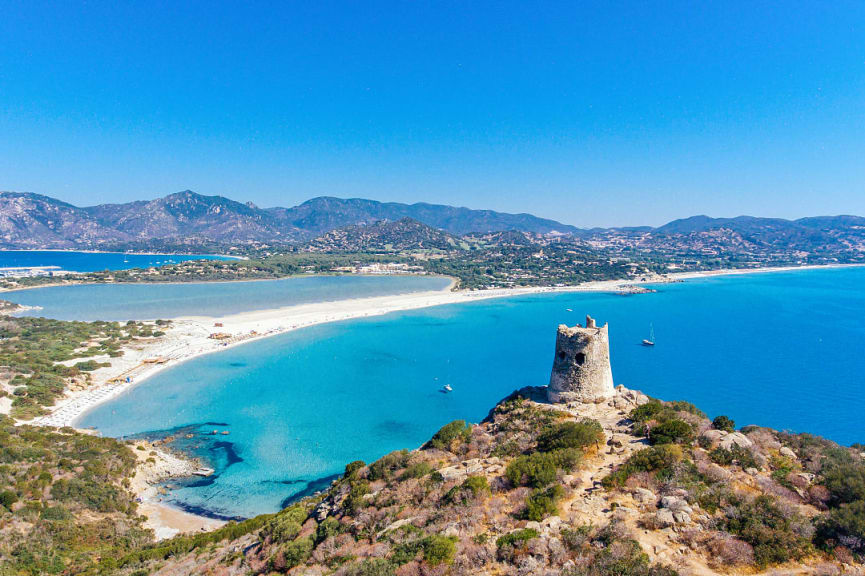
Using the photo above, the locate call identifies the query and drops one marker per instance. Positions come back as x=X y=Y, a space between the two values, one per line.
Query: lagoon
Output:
x=780 y=350
x=94 y=261
x=122 y=302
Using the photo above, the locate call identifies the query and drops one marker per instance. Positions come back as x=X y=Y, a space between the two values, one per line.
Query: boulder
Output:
x=682 y=517
x=644 y=496
x=735 y=439
x=788 y=453
x=713 y=435
x=665 y=517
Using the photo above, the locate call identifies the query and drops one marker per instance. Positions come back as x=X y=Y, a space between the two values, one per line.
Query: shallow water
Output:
x=93 y=261
x=781 y=350
x=152 y=301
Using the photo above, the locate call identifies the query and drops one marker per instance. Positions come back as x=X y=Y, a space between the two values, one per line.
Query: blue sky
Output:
x=607 y=113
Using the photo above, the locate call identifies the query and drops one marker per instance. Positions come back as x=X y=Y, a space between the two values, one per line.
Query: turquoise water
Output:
x=781 y=350
x=93 y=261
x=152 y=301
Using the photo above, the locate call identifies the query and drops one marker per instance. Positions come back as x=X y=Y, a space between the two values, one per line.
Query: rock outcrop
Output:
x=581 y=366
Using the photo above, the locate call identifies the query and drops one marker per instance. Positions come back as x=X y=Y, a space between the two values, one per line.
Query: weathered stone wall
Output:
x=581 y=365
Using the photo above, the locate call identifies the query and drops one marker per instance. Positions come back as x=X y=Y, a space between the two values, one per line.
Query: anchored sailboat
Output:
x=650 y=341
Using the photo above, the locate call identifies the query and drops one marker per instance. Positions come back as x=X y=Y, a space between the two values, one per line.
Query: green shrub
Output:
x=516 y=538
x=329 y=527
x=724 y=423
x=471 y=488
x=570 y=435
x=477 y=485
x=296 y=553
x=647 y=411
x=352 y=468
x=671 y=432
x=724 y=457
x=656 y=459
x=845 y=482
x=416 y=470
x=438 y=549
x=843 y=526
x=567 y=459
x=763 y=525
x=355 y=499
x=451 y=436
x=285 y=525
x=372 y=567
x=536 y=470
x=384 y=467
x=543 y=503
x=574 y=538
x=8 y=498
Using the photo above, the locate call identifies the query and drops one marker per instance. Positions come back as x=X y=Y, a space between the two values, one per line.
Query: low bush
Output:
x=517 y=537
x=673 y=431
x=416 y=470
x=384 y=467
x=329 y=527
x=659 y=460
x=472 y=488
x=738 y=455
x=844 y=526
x=536 y=470
x=724 y=423
x=451 y=436
x=439 y=549
x=372 y=567
x=845 y=482
x=571 y=435
x=768 y=529
x=543 y=503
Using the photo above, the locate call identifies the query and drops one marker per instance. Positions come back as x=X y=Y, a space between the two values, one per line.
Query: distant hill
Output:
x=384 y=236
x=326 y=213
x=35 y=221
x=31 y=221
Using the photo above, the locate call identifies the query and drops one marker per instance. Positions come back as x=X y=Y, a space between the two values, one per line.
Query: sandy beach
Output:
x=190 y=337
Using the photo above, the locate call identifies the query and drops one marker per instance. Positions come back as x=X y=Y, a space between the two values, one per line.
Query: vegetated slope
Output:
x=32 y=221
x=628 y=487
x=64 y=502
x=384 y=236
x=193 y=218
x=322 y=214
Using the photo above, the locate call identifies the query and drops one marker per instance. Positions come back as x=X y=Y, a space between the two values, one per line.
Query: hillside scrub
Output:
x=31 y=350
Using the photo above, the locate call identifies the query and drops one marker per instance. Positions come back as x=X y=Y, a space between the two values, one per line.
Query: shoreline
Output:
x=190 y=337
x=131 y=253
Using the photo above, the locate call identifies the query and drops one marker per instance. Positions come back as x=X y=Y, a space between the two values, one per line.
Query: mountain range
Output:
x=32 y=221
x=35 y=221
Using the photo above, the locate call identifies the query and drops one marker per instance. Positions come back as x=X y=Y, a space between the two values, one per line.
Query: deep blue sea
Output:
x=94 y=261
x=785 y=350
x=153 y=301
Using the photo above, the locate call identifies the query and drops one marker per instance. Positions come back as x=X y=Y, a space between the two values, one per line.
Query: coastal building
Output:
x=581 y=366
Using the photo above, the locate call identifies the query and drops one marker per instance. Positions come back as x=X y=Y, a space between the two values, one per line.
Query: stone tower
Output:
x=581 y=366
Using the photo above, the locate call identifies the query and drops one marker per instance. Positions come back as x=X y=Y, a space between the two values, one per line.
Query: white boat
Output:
x=650 y=341
x=446 y=388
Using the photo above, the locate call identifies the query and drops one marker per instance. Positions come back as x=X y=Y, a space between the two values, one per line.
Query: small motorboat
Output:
x=446 y=388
